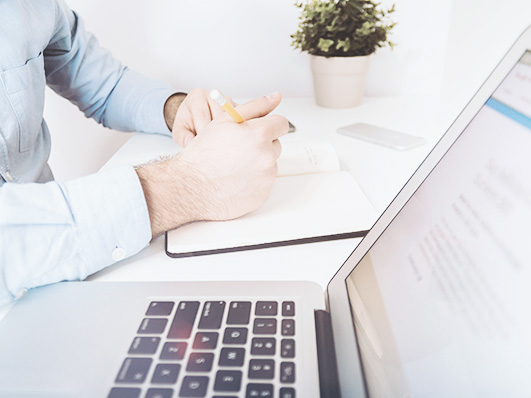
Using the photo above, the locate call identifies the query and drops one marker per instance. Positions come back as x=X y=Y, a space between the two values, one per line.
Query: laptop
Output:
x=434 y=302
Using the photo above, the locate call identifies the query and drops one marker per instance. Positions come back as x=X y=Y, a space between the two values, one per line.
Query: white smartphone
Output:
x=382 y=136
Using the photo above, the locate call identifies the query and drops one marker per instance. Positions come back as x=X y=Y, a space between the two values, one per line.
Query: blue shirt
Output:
x=52 y=231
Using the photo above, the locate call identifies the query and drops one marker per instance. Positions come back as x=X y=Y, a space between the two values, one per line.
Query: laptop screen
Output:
x=440 y=302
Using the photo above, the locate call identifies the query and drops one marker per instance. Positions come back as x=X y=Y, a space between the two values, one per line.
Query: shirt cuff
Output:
x=66 y=231
x=111 y=216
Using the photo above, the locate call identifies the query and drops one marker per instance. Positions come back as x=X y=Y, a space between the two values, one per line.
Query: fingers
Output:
x=180 y=134
x=230 y=101
x=274 y=126
x=260 y=106
x=194 y=114
x=187 y=136
x=183 y=131
x=200 y=109
x=277 y=149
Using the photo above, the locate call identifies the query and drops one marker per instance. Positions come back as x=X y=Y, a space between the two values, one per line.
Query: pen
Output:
x=220 y=99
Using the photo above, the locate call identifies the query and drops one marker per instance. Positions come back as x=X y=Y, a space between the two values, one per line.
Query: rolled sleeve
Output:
x=79 y=69
x=139 y=102
x=66 y=231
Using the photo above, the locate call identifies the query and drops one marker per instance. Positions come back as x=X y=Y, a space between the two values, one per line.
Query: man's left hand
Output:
x=189 y=115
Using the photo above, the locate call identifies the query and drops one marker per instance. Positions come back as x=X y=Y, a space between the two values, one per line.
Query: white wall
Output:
x=242 y=47
x=481 y=32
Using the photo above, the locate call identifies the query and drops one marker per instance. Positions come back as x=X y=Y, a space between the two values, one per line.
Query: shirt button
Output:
x=21 y=293
x=118 y=254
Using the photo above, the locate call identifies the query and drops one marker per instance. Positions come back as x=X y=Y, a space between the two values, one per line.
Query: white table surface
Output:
x=380 y=171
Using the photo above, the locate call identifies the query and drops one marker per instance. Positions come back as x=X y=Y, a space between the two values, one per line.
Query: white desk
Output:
x=380 y=171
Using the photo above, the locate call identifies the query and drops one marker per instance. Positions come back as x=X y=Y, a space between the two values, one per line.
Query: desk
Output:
x=381 y=172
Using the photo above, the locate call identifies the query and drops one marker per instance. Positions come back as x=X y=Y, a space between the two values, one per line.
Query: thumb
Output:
x=182 y=136
x=260 y=106
x=189 y=136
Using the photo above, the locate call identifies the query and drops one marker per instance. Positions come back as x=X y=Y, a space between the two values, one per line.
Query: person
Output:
x=52 y=231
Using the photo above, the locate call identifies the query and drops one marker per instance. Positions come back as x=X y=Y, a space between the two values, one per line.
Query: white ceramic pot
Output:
x=339 y=82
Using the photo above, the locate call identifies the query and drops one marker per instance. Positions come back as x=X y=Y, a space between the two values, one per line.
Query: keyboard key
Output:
x=286 y=392
x=166 y=373
x=231 y=356
x=159 y=393
x=134 y=370
x=160 y=308
x=235 y=336
x=255 y=390
x=224 y=396
x=288 y=308
x=122 y=392
x=205 y=340
x=212 y=315
x=288 y=327
x=261 y=369
x=194 y=386
x=152 y=326
x=173 y=351
x=144 y=345
x=200 y=362
x=266 y=308
x=265 y=326
x=287 y=348
x=263 y=346
x=183 y=322
x=287 y=372
x=228 y=380
x=239 y=313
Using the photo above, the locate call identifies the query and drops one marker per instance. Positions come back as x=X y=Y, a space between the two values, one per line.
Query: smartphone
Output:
x=382 y=136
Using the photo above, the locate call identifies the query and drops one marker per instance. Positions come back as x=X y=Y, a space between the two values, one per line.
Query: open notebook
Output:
x=311 y=201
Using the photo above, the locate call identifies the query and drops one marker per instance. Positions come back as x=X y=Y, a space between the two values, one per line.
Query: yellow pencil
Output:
x=220 y=99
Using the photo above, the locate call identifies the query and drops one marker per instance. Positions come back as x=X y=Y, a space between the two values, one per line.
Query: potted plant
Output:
x=340 y=35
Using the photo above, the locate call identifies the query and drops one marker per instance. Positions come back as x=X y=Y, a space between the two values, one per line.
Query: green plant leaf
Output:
x=325 y=44
x=342 y=27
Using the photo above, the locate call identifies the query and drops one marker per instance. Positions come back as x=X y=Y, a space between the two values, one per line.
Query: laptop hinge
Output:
x=326 y=353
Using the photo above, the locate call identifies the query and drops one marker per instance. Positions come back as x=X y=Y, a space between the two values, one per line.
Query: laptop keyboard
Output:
x=215 y=349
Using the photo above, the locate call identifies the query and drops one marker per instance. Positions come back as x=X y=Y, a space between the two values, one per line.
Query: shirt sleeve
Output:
x=79 y=69
x=66 y=231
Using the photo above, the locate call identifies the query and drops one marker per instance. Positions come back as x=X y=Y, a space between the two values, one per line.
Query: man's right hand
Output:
x=225 y=172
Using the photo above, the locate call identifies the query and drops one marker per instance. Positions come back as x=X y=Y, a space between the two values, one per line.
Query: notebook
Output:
x=434 y=301
x=312 y=200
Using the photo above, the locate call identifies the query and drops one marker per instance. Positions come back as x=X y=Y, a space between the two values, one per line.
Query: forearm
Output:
x=173 y=193
x=138 y=104
x=88 y=75
x=171 y=106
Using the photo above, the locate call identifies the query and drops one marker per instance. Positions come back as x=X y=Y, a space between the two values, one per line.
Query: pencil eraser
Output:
x=216 y=96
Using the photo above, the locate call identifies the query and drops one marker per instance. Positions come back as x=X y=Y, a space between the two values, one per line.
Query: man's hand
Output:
x=194 y=113
x=225 y=172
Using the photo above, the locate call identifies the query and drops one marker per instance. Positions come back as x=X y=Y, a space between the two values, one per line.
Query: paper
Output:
x=300 y=209
x=307 y=157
